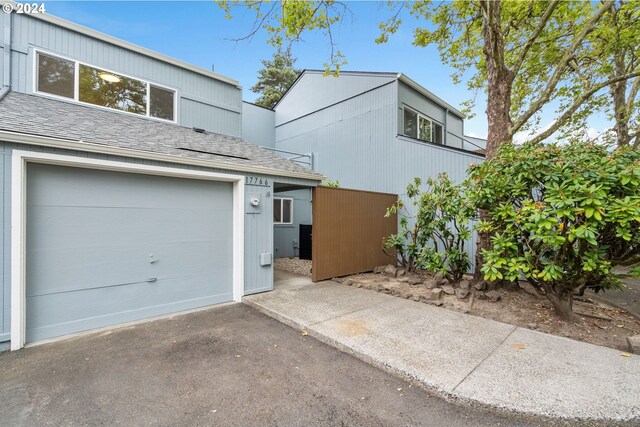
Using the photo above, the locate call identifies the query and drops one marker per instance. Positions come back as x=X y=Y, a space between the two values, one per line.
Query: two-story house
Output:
x=127 y=191
x=369 y=131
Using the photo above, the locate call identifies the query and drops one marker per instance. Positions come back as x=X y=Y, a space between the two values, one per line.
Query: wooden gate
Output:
x=348 y=229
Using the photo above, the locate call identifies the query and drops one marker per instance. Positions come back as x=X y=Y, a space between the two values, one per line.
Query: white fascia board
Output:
x=67 y=144
x=412 y=84
x=129 y=46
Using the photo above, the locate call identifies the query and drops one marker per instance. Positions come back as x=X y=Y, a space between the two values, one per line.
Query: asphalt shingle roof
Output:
x=42 y=116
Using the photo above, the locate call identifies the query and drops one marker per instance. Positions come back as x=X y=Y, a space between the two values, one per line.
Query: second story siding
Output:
x=451 y=123
x=258 y=125
x=204 y=100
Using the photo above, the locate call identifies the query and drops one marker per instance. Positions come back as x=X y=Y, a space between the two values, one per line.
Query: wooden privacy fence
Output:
x=348 y=229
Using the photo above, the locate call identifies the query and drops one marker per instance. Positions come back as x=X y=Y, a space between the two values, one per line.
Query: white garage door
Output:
x=105 y=247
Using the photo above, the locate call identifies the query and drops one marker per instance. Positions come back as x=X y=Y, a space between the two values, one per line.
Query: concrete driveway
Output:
x=225 y=366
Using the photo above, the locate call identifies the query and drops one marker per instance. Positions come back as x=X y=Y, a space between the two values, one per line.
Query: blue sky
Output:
x=198 y=32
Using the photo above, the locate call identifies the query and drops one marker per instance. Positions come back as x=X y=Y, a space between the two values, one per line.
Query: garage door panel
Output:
x=97 y=188
x=90 y=235
x=53 y=227
x=51 y=271
x=108 y=306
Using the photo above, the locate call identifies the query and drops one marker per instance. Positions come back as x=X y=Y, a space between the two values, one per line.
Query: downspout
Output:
x=446 y=128
x=6 y=51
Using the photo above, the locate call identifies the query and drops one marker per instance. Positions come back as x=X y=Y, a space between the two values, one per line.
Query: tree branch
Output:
x=527 y=46
x=576 y=104
x=560 y=68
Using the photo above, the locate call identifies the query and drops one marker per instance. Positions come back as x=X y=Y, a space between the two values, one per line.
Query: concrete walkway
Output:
x=460 y=356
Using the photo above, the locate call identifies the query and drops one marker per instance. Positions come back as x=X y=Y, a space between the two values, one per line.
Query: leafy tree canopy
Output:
x=275 y=78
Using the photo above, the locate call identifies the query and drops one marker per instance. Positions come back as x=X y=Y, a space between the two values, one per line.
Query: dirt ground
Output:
x=599 y=324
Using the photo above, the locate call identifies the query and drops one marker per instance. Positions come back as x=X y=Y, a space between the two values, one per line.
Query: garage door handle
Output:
x=152 y=279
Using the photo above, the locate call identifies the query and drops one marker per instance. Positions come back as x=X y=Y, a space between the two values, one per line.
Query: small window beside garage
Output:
x=97 y=86
x=282 y=210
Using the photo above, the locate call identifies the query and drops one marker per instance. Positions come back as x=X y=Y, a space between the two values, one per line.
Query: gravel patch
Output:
x=294 y=265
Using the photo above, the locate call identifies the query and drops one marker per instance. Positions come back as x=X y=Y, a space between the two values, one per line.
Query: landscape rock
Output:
x=444 y=282
x=532 y=325
x=391 y=270
x=424 y=298
x=439 y=278
x=481 y=295
x=465 y=284
x=430 y=284
x=348 y=282
x=436 y=293
x=634 y=344
x=462 y=293
x=480 y=286
x=400 y=272
x=493 y=296
x=414 y=281
x=338 y=279
x=448 y=289
x=438 y=303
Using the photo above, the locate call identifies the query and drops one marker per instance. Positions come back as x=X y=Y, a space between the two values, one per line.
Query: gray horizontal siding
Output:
x=314 y=91
x=222 y=115
x=258 y=125
x=258 y=228
x=356 y=143
x=454 y=125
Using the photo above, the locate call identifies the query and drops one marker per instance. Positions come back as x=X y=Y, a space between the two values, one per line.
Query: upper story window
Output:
x=96 y=86
x=415 y=125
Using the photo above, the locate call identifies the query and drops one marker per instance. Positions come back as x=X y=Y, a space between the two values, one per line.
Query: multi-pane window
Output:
x=420 y=127
x=282 y=211
x=56 y=76
x=96 y=86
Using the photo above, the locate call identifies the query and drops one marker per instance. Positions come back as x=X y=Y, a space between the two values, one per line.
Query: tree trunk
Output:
x=619 y=94
x=562 y=302
x=500 y=81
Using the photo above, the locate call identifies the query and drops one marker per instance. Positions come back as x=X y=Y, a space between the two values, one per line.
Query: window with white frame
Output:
x=282 y=210
x=415 y=125
x=92 y=85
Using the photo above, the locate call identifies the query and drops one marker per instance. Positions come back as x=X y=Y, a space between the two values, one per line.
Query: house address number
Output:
x=254 y=180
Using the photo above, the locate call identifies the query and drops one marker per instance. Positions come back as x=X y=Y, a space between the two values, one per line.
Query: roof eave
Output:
x=414 y=85
x=69 y=144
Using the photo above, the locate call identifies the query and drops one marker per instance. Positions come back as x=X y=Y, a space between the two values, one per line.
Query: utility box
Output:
x=266 y=258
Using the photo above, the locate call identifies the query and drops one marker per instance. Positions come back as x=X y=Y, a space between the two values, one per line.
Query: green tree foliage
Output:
x=617 y=38
x=525 y=55
x=435 y=238
x=332 y=184
x=287 y=20
x=275 y=78
x=559 y=215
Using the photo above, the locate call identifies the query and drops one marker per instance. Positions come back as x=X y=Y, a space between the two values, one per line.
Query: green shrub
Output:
x=434 y=238
x=560 y=216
